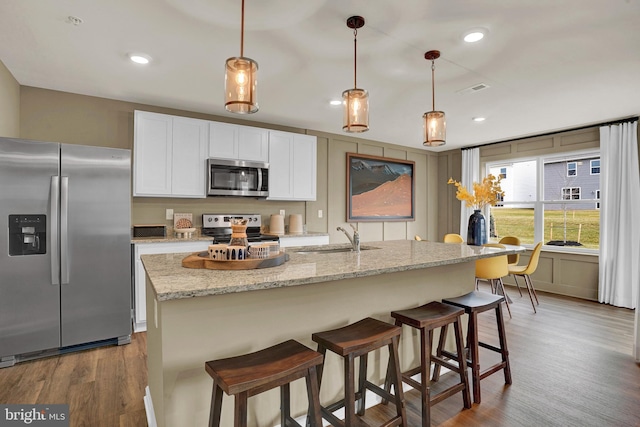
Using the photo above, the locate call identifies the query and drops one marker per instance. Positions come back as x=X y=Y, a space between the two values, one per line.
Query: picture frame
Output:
x=380 y=188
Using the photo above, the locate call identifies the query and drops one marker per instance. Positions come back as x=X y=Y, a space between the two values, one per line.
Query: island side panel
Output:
x=195 y=330
x=155 y=353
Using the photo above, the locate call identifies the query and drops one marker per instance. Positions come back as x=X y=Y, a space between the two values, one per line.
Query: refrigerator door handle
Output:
x=53 y=227
x=64 y=236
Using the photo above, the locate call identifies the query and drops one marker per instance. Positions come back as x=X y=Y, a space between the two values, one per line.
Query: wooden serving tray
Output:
x=202 y=260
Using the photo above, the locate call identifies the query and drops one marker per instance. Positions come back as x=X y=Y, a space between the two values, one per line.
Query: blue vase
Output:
x=477 y=229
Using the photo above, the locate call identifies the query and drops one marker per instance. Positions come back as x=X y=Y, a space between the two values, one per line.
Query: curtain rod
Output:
x=614 y=122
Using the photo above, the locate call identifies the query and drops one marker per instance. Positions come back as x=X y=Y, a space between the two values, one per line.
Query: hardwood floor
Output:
x=571 y=366
x=104 y=387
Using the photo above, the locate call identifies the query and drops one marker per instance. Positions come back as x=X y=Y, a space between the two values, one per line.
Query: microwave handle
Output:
x=259 y=179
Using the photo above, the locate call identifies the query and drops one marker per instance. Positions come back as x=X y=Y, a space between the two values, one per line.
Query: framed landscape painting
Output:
x=379 y=188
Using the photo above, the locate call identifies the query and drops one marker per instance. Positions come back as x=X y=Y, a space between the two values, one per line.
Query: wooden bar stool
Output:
x=427 y=318
x=473 y=304
x=250 y=374
x=357 y=340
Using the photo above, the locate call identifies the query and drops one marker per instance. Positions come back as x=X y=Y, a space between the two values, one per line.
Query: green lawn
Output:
x=582 y=226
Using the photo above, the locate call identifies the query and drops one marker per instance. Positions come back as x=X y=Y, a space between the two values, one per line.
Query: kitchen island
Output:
x=195 y=315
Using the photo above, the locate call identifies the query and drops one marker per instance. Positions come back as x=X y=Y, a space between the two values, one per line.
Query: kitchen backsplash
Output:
x=147 y=210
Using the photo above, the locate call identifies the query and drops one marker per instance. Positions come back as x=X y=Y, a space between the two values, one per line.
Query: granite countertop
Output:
x=172 y=281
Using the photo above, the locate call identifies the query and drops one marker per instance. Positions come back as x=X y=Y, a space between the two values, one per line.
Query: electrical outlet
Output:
x=282 y=212
x=169 y=214
x=319 y=213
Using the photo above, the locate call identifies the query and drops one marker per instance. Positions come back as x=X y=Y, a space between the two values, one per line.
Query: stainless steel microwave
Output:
x=237 y=178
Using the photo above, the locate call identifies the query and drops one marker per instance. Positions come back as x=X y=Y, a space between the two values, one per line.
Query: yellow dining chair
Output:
x=526 y=271
x=453 y=238
x=514 y=259
x=492 y=270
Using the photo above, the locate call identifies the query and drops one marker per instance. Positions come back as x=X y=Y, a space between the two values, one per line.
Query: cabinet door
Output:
x=304 y=167
x=253 y=144
x=190 y=138
x=280 y=165
x=152 y=161
x=223 y=140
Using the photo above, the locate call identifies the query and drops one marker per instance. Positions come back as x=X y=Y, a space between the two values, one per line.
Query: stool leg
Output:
x=425 y=371
x=362 y=378
x=504 y=351
x=349 y=391
x=285 y=404
x=394 y=359
x=240 y=410
x=462 y=363
x=472 y=339
x=216 y=406
x=441 y=342
x=314 y=418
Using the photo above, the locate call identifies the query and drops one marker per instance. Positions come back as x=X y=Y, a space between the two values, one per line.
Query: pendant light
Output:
x=435 y=126
x=356 y=101
x=240 y=80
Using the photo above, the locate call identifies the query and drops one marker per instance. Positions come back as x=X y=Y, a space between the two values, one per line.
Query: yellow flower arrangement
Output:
x=484 y=193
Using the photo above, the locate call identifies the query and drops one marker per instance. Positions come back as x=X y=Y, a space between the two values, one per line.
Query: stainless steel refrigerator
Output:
x=65 y=257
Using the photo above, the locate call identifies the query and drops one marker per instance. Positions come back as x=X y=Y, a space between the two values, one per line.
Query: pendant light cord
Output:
x=433 y=87
x=242 y=33
x=355 y=54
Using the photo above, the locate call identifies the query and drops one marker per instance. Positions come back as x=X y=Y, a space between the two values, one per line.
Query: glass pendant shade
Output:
x=356 y=110
x=240 y=81
x=435 y=128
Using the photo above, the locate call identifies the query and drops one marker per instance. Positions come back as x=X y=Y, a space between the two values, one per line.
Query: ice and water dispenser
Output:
x=27 y=234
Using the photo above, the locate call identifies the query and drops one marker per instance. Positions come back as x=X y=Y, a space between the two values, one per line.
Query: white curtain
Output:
x=470 y=173
x=619 y=276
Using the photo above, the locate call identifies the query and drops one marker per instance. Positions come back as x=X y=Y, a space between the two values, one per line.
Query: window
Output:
x=571 y=193
x=595 y=167
x=547 y=200
x=503 y=173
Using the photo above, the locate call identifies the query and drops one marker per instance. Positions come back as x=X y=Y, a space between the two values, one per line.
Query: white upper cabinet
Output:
x=169 y=155
x=237 y=142
x=292 y=166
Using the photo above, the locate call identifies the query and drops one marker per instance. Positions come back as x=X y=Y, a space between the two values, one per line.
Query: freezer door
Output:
x=29 y=301
x=95 y=239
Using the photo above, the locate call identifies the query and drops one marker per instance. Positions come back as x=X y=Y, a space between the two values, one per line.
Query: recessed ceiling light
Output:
x=479 y=119
x=474 y=35
x=335 y=102
x=139 y=58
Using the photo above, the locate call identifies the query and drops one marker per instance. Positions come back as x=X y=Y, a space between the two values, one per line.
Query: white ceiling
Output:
x=550 y=65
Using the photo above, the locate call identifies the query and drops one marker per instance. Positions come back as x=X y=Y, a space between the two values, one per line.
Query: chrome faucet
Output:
x=355 y=240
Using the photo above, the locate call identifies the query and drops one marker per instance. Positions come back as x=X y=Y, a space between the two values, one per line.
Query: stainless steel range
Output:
x=218 y=226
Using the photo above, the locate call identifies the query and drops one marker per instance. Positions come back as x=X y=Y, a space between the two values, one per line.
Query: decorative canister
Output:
x=218 y=252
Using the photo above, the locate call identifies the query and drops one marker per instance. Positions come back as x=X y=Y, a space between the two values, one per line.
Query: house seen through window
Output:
x=554 y=199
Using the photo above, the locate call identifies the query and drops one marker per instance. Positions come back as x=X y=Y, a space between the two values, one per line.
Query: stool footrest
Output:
x=489 y=347
x=493 y=369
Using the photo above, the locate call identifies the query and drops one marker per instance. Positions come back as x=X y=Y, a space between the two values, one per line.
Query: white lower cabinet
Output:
x=139 y=301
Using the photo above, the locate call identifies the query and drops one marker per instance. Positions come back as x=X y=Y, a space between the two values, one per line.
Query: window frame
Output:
x=574 y=169
x=591 y=167
x=539 y=203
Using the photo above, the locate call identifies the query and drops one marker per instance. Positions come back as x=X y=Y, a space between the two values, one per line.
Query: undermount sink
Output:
x=331 y=250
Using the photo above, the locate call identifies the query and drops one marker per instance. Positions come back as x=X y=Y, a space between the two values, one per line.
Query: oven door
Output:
x=237 y=178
